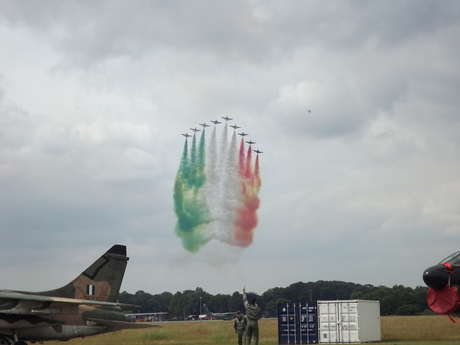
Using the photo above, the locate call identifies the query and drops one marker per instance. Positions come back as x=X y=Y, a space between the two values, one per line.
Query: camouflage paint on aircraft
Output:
x=86 y=306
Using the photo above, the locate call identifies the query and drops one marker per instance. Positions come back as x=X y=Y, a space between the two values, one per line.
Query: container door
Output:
x=308 y=323
x=349 y=321
x=329 y=322
x=297 y=323
x=286 y=323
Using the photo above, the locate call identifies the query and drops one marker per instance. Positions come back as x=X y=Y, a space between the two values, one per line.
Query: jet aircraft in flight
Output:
x=257 y=151
x=243 y=134
x=86 y=306
x=226 y=118
x=186 y=135
x=195 y=129
x=215 y=122
x=443 y=281
x=235 y=126
x=204 y=125
x=250 y=142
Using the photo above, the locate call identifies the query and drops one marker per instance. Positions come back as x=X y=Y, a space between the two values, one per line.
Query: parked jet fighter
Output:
x=257 y=151
x=226 y=118
x=243 y=134
x=217 y=316
x=186 y=135
x=215 y=122
x=443 y=281
x=84 y=307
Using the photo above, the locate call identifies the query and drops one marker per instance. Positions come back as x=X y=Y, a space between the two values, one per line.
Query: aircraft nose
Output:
x=437 y=277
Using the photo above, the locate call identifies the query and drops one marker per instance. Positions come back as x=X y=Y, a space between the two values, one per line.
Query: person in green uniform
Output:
x=254 y=313
x=239 y=324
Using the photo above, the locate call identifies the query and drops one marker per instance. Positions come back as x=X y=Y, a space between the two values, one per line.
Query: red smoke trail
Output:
x=257 y=180
x=248 y=172
x=246 y=215
x=241 y=158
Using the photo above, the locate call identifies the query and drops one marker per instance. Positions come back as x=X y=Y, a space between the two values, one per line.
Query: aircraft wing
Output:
x=34 y=319
x=123 y=324
x=14 y=302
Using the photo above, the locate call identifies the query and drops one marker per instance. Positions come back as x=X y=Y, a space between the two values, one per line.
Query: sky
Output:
x=95 y=94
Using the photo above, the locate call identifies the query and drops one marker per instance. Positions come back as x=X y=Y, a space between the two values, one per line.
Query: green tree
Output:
x=235 y=302
x=176 y=306
x=271 y=308
x=408 y=309
x=219 y=303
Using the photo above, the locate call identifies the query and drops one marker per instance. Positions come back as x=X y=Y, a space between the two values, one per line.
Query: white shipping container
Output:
x=349 y=321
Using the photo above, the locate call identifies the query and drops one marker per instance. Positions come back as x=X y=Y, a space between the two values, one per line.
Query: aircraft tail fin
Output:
x=101 y=281
x=206 y=310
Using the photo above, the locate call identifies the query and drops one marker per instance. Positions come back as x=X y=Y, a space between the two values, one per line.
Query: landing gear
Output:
x=7 y=340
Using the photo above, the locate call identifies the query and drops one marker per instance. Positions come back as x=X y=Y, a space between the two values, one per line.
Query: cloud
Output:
x=94 y=96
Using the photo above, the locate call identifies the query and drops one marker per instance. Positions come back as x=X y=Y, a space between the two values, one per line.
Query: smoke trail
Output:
x=212 y=185
x=230 y=194
x=257 y=180
x=242 y=158
x=216 y=192
x=189 y=202
x=247 y=214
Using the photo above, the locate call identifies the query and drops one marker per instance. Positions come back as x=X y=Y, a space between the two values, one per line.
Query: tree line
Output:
x=397 y=300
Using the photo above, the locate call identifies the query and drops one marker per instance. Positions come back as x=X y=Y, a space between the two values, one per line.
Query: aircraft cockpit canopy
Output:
x=453 y=259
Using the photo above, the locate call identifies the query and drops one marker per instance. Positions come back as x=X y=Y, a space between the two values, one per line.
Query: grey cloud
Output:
x=91 y=31
x=91 y=121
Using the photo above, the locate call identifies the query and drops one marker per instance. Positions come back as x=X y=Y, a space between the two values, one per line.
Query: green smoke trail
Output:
x=189 y=201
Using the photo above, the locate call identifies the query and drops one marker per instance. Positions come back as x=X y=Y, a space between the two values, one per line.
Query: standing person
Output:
x=254 y=313
x=239 y=324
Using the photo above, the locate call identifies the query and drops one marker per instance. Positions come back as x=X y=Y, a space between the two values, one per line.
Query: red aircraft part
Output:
x=444 y=301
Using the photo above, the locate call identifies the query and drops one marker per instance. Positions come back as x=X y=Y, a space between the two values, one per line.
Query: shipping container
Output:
x=297 y=323
x=352 y=321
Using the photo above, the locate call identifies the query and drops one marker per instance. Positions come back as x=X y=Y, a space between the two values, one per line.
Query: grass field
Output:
x=405 y=330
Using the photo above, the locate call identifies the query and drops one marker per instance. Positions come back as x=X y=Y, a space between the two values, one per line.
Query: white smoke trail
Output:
x=211 y=189
x=231 y=191
x=226 y=191
x=218 y=206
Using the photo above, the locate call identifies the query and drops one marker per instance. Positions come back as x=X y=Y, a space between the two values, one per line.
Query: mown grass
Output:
x=421 y=330
x=397 y=330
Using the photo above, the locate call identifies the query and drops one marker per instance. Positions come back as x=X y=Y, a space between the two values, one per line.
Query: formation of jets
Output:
x=216 y=122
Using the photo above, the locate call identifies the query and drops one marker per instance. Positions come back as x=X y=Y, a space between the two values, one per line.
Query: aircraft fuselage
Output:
x=446 y=272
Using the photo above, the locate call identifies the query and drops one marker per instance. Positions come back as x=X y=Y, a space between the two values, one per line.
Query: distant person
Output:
x=239 y=324
x=254 y=313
